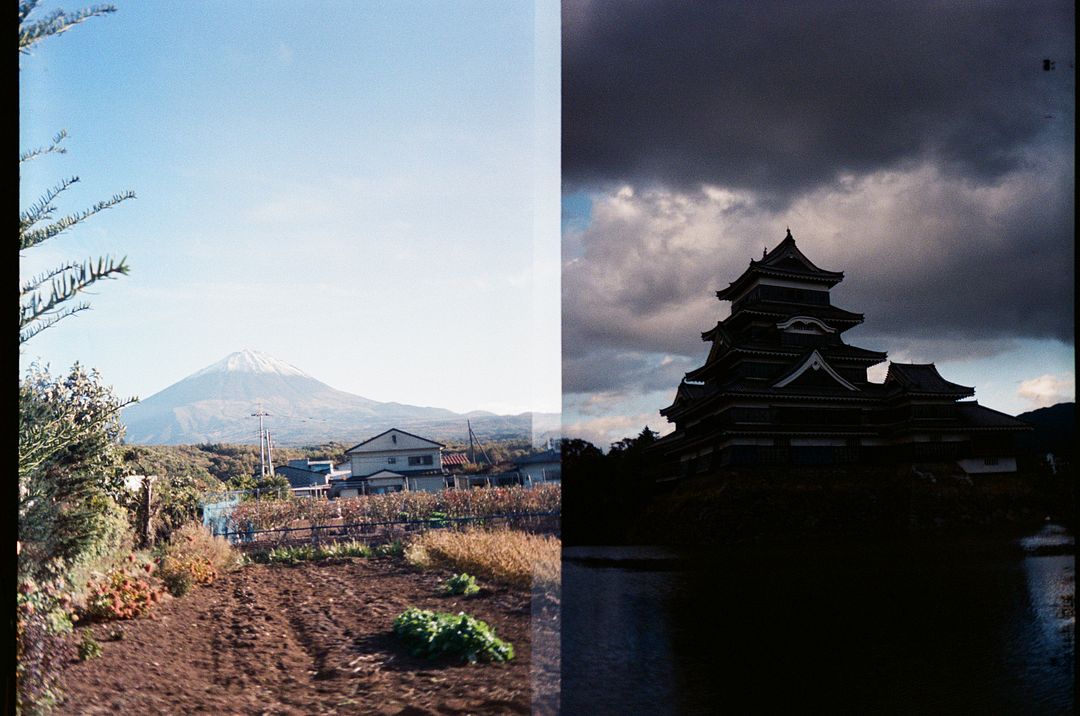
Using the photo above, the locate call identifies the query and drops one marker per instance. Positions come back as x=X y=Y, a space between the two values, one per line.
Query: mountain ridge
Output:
x=216 y=404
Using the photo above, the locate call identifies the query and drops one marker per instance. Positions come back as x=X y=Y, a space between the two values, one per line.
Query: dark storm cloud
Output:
x=942 y=267
x=779 y=97
x=615 y=371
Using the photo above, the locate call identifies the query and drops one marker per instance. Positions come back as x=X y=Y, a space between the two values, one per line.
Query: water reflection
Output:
x=896 y=628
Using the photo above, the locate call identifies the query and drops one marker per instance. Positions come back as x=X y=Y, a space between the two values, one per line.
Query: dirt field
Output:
x=313 y=639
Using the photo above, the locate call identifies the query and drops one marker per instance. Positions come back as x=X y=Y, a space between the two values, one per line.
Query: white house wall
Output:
x=541 y=472
x=367 y=463
x=432 y=483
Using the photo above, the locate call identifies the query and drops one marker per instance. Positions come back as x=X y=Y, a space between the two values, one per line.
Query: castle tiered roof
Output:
x=779 y=369
x=784 y=262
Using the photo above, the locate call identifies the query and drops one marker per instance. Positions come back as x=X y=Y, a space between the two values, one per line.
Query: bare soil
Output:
x=315 y=638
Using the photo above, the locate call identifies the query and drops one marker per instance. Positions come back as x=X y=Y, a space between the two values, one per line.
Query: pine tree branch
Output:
x=40 y=312
x=38 y=281
x=53 y=148
x=35 y=237
x=42 y=323
x=42 y=209
x=54 y=23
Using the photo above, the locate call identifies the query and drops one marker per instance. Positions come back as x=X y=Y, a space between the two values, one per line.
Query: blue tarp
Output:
x=218 y=510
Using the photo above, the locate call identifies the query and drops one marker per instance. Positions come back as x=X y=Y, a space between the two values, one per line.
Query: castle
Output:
x=781 y=387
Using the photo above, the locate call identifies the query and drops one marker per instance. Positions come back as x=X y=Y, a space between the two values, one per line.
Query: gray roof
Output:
x=978 y=416
x=299 y=477
x=923 y=378
x=545 y=456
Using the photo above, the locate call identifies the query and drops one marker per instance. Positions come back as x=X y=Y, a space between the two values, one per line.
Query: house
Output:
x=540 y=467
x=390 y=462
x=780 y=386
x=310 y=478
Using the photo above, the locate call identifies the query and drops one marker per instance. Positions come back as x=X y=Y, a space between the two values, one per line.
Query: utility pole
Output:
x=262 y=444
x=472 y=438
x=270 y=452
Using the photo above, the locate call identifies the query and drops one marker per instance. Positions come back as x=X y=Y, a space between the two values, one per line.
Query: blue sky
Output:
x=369 y=191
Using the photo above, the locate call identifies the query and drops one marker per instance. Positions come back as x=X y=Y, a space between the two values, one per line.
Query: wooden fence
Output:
x=387 y=531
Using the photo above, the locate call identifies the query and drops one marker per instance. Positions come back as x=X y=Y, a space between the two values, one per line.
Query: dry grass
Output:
x=511 y=557
x=194 y=556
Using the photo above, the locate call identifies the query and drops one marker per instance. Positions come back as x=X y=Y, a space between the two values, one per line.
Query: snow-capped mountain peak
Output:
x=249 y=361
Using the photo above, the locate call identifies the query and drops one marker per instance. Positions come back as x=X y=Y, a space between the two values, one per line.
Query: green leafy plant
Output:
x=395 y=548
x=312 y=553
x=178 y=582
x=88 y=646
x=463 y=584
x=438 y=634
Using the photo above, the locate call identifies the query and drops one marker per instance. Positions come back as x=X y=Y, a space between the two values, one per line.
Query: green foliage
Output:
x=463 y=584
x=606 y=493
x=69 y=473
x=43 y=620
x=88 y=646
x=438 y=634
x=312 y=553
x=177 y=490
x=499 y=451
x=178 y=582
x=395 y=548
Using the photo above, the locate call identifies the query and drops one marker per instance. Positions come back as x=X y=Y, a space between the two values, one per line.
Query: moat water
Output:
x=934 y=625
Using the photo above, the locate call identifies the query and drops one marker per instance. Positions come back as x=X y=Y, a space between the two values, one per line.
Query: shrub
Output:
x=124 y=593
x=194 y=556
x=89 y=647
x=69 y=469
x=510 y=557
x=43 y=620
x=178 y=581
x=437 y=634
x=463 y=584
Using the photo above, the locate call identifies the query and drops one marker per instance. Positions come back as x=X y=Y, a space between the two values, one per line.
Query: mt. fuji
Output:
x=215 y=404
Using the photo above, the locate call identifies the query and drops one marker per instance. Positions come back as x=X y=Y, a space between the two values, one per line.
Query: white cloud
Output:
x=1047 y=390
x=603 y=431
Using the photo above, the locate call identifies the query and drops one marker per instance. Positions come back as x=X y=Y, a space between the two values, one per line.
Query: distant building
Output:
x=780 y=386
x=540 y=467
x=390 y=462
x=310 y=478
